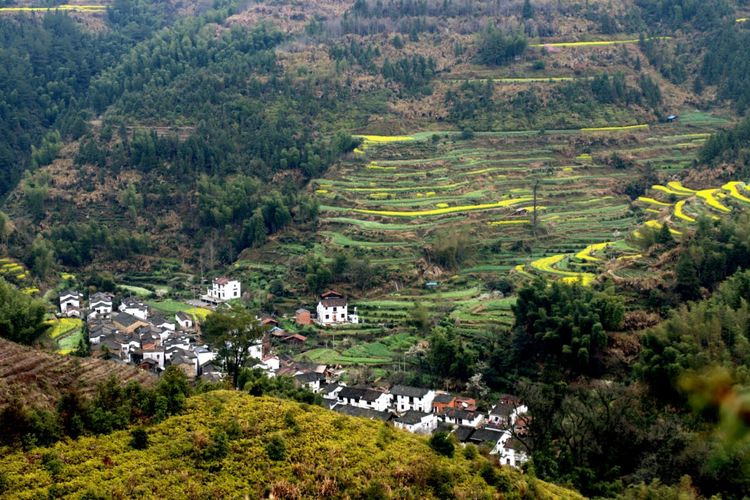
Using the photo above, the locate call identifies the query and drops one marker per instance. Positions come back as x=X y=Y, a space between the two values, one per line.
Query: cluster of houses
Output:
x=425 y=411
x=134 y=333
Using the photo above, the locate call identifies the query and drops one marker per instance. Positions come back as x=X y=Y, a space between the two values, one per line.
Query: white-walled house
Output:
x=222 y=290
x=407 y=398
x=135 y=308
x=333 y=309
x=70 y=303
x=100 y=304
x=362 y=397
x=310 y=380
x=417 y=421
x=205 y=355
x=458 y=416
x=513 y=453
x=184 y=320
x=157 y=354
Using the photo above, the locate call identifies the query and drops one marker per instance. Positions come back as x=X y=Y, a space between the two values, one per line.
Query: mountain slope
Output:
x=39 y=377
x=229 y=444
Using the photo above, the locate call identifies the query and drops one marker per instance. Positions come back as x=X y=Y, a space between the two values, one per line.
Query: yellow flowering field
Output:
x=445 y=210
x=615 y=128
x=678 y=211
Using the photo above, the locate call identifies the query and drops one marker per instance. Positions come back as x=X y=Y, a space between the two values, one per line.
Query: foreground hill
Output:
x=229 y=444
x=41 y=378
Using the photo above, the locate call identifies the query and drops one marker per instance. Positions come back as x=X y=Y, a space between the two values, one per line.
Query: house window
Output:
x=328 y=316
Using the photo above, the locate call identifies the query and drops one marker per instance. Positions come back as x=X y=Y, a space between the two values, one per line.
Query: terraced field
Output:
x=41 y=377
x=401 y=194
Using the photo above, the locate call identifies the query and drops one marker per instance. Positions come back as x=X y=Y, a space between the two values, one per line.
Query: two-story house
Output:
x=222 y=290
x=412 y=398
x=70 y=304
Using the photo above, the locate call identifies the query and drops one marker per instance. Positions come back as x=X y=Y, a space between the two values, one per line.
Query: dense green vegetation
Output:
x=227 y=443
x=21 y=317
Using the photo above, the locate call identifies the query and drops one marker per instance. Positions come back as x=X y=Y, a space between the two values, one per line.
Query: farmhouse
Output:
x=310 y=380
x=333 y=309
x=100 y=304
x=134 y=307
x=222 y=290
x=417 y=422
x=184 y=320
x=70 y=304
x=412 y=398
x=364 y=397
x=513 y=453
x=127 y=323
x=458 y=416
x=303 y=317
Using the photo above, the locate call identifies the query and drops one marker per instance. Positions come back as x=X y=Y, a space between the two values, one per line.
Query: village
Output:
x=129 y=331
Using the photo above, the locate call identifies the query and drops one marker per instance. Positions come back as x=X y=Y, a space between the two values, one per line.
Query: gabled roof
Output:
x=222 y=280
x=125 y=319
x=443 y=398
x=352 y=392
x=333 y=302
x=514 y=444
x=331 y=294
x=302 y=310
x=486 y=435
x=306 y=378
x=70 y=293
x=412 y=392
x=459 y=414
x=100 y=297
x=183 y=316
x=412 y=417
x=463 y=433
x=355 y=411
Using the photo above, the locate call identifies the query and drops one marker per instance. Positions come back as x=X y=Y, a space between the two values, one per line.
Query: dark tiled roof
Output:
x=306 y=378
x=125 y=319
x=335 y=302
x=331 y=294
x=514 y=444
x=460 y=414
x=405 y=390
x=354 y=411
x=183 y=317
x=352 y=392
x=372 y=395
x=486 y=435
x=411 y=417
x=463 y=433
x=443 y=398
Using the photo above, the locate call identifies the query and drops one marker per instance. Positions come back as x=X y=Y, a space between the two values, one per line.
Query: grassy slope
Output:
x=328 y=455
x=40 y=378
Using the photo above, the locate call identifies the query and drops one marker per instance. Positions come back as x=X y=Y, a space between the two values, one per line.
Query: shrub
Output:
x=442 y=444
x=138 y=439
x=276 y=449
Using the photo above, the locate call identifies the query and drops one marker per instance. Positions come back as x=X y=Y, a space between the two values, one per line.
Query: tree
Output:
x=5 y=228
x=497 y=48
x=174 y=389
x=21 y=317
x=233 y=332
x=132 y=200
x=528 y=10
x=41 y=257
x=441 y=442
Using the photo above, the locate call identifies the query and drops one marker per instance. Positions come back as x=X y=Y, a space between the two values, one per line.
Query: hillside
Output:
x=40 y=378
x=222 y=447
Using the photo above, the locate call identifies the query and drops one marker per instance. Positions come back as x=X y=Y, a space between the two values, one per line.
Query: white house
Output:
x=135 y=308
x=156 y=354
x=100 y=304
x=417 y=421
x=412 y=398
x=222 y=290
x=205 y=355
x=310 y=380
x=458 y=416
x=333 y=309
x=513 y=453
x=364 y=398
x=163 y=323
x=70 y=304
x=506 y=411
x=184 y=320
